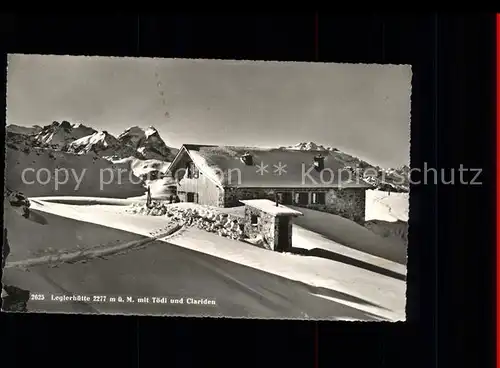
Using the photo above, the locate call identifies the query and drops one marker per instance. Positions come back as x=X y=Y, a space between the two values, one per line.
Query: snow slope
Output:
x=101 y=215
x=382 y=294
x=344 y=231
x=149 y=170
x=387 y=215
x=385 y=294
x=53 y=234
x=97 y=176
x=161 y=268
x=311 y=241
x=387 y=207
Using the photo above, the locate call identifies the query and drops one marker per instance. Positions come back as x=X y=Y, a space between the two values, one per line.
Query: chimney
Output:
x=319 y=162
x=247 y=159
x=276 y=200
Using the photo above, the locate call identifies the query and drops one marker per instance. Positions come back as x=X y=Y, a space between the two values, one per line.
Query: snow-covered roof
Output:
x=270 y=207
x=271 y=168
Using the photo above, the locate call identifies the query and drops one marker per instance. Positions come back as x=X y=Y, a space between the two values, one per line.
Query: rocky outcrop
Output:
x=5 y=248
x=14 y=299
x=17 y=199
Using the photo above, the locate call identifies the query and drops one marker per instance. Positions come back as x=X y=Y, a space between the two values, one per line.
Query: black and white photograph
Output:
x=206 y=188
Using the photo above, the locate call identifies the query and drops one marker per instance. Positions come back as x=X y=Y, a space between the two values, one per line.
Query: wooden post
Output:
x=148 y=198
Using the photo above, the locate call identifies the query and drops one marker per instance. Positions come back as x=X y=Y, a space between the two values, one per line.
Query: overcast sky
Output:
x=361 y=109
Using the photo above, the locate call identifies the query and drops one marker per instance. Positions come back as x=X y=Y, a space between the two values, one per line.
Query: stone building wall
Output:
x=346 y=202
x=349 y=203
x=232 y=196
x=265 y=226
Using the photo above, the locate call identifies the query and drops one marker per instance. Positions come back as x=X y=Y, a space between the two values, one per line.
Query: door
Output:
x=283 y=240
x=190 y=197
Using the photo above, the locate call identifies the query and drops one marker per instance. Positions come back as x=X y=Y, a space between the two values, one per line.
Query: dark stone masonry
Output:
x=265 y=225
x=345 y=202
x=232 y=196
x=272 y=223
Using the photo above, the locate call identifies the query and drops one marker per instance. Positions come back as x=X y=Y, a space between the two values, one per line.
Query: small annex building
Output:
x=272 y=221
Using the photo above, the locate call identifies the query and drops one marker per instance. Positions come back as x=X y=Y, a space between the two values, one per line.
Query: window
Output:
x=318 y=198
x=191 y=171
x=254 y=220
x=285 y=198
x=302 y=198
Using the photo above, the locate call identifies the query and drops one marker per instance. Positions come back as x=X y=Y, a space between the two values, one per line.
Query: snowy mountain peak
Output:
x=132 y=136
x=138 y=132
x=60 y=134
x=101 y=143
x=308 y=146
x=66 y=125
x=147 y=143
x=132 y=131
x=150 y=131
x=94 y=142
x=80 y=139
x=102 y=136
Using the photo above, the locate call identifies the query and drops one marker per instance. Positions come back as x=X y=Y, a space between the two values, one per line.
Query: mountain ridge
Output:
x=147 y=144
x=387 y=179
x=81 y=139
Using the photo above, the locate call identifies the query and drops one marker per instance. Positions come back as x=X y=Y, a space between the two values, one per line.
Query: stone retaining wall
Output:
x=204 y=218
